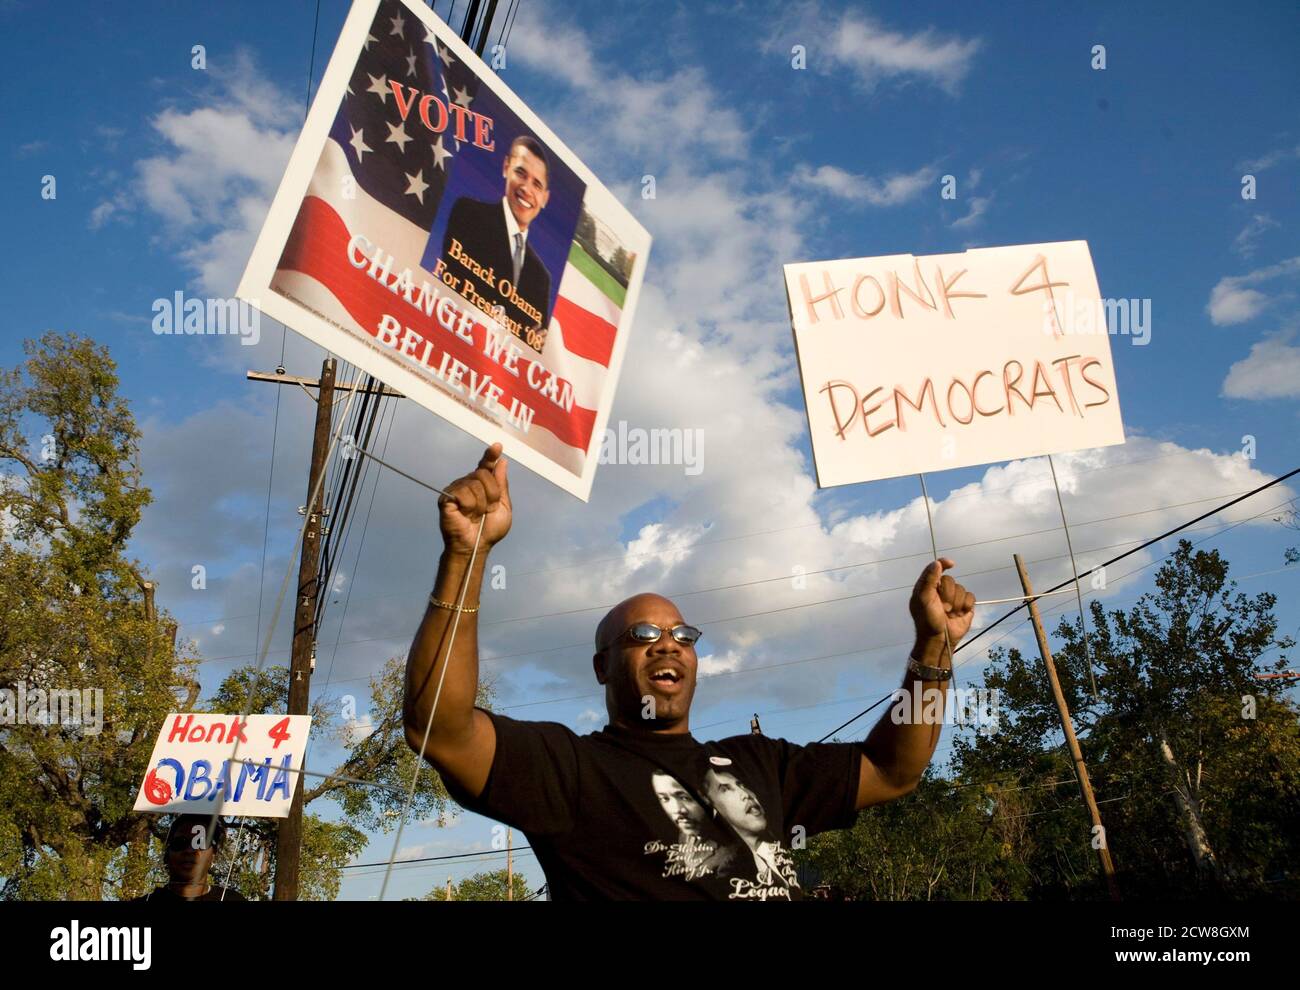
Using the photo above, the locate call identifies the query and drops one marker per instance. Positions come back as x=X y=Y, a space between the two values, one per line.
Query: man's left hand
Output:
x=939 y=603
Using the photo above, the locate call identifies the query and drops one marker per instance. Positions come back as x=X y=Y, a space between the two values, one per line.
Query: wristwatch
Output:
x=928 y=673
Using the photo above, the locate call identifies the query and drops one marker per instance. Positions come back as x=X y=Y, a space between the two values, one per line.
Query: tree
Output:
x=1182 y=742
x=73 y=617
x=1195 y=764
x=489 y=886
x=586 y=229
x=76 y=612
x=942 y=842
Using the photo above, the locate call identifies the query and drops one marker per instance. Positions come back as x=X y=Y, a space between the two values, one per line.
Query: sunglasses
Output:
x=648 y=632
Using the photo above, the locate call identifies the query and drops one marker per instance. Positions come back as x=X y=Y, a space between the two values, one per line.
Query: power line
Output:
x=786 y=529
x=1156 y=539
x=357 y=562
x=723 y=619
x=438 y=859
x=1127 y=553
x=787 y=576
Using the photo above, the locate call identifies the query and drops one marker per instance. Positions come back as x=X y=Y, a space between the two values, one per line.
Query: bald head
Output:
x=646 y=684
x=638 y=608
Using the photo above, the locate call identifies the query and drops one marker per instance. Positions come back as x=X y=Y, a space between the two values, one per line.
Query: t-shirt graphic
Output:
x=694 y=854
x=622 y=814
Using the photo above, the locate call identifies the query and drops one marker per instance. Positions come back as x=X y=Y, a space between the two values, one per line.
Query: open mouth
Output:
x=666 y=678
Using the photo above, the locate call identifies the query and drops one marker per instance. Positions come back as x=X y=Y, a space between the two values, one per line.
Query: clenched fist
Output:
x=482 y=494
x=939 y=603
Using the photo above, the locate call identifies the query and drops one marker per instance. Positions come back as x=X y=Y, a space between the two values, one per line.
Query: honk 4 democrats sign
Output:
x=433 y=231
x=225 y=763
x=913 y=364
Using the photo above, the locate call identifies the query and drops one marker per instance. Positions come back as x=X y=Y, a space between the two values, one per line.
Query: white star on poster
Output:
x=398 y=25
x=462 y=97
x=440 y=154
x=370 y=38
x=378 y=86
x=358 y=143
x=398 y=135
x=410 y=64
x=417 y=185
x=444 y=53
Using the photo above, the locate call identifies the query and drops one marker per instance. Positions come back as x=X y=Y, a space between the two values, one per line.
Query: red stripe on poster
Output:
x=317 y=247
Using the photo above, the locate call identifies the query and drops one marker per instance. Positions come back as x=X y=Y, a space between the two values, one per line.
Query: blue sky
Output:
x=163 y=173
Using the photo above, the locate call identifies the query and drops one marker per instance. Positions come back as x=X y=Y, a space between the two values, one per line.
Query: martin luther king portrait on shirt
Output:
x=486 y=245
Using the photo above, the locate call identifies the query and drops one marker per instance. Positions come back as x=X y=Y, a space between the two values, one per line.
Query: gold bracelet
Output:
x=450 y=607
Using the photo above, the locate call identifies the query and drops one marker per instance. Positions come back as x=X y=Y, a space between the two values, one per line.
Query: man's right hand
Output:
x=482 y=494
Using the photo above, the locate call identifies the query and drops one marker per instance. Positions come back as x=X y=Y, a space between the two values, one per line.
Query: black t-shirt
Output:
x=619 y=814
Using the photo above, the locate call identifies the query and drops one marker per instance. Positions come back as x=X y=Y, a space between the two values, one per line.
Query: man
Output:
x=683 y=810
x=586 y=803
x=486 y=245
x=189 y=856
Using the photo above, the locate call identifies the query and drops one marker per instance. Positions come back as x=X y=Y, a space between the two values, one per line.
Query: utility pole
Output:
x=288 y=843
x=1067 y=726
x=448 y=888
x=510 y=869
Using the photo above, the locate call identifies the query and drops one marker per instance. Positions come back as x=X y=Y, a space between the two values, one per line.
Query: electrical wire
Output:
x=1113 y=560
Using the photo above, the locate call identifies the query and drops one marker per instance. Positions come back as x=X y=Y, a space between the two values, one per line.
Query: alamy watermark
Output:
x=636 y=445
x=976 y=707
x=20 y=705
x=193 y=316
x=1064 y=314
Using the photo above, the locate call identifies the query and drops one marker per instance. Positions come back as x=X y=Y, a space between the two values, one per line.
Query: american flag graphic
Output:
x=382 y=178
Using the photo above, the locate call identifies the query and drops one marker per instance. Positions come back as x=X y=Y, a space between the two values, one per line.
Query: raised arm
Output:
x=895 y=756
x=460 y=739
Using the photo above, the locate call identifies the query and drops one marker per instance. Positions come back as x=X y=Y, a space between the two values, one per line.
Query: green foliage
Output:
x=1177 y=667
x=488 y=886
x=73 y=616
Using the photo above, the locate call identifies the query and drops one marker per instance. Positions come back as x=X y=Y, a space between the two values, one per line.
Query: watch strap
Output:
x=928 y=673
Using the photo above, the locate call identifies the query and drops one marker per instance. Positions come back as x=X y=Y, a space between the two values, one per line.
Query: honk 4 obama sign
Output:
x=225 y=763
x=432 y=230
x=913 y=364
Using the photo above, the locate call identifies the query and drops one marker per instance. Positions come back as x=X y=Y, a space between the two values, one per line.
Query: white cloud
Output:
x=1268 y=160
x=875 y=53
x=213 y=182
x=107 y=209
x=1233 y=300
x=653 y=119
x=1270 y=371
x=711 y=665
x=871 y=52
x=892 y=190
x=1244 y=243
x=978 y=205
x=661 y=547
